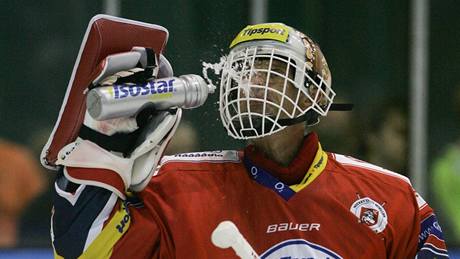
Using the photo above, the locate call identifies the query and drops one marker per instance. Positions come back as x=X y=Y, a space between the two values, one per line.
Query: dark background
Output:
x=366 y=44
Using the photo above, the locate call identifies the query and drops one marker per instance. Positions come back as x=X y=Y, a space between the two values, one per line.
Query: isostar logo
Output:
x=157 y=89
x=370 y=213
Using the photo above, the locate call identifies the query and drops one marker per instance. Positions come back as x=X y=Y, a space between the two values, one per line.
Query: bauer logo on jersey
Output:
x=370 y=213
x=266 y=31
x=298 y=248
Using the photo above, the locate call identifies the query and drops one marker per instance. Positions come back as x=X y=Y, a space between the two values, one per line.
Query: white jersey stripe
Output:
x=72 y=198
x=346 y=160
x=420 y=201
x=98 y=223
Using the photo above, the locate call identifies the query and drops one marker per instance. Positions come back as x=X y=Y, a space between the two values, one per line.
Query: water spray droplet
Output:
x=216 y=68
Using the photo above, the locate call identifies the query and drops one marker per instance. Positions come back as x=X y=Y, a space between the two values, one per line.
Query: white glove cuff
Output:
x=145 y=163
x=107 y=169
x=147 y=155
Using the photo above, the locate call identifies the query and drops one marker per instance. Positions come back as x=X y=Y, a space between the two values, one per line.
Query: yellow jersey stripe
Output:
x=316 y=168
x=56 y=256
x=103 y=245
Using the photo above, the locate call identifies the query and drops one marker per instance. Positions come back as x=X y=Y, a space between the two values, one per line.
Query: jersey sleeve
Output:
x=431 y=242
x=92 y=222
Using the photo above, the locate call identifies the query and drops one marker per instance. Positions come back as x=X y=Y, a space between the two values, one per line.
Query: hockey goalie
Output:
x=282 y=196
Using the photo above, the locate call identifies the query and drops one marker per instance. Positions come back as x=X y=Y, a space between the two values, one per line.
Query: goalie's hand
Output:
x=122 y=125
x=130 y=147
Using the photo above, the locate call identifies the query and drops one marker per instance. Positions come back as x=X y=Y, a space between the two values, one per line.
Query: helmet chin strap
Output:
x=341 y=107
x=312 y=117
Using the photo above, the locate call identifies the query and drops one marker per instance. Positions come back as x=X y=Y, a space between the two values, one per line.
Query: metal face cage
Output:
x=263 y=85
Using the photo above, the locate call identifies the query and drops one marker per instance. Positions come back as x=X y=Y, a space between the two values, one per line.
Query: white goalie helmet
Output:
x=273 y=77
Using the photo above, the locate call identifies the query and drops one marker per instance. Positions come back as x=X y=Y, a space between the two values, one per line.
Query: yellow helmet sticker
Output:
x=264 y=31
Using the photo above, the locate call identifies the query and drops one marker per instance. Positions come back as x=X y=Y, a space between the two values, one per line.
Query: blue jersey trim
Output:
x=71 y=223
x=266 y=179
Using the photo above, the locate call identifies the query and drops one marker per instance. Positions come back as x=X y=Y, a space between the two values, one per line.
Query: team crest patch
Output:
x=370 y=213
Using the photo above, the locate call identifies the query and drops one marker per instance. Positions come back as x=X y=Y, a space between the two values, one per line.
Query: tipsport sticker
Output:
x=266 y=31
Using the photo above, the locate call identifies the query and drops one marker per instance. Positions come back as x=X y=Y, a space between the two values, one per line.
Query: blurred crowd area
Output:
x=366 y=44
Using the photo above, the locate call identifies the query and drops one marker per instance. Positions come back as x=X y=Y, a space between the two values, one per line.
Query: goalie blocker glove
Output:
x=123 y=152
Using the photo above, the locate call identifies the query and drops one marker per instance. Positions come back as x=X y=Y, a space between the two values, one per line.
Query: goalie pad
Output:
x=105 y=35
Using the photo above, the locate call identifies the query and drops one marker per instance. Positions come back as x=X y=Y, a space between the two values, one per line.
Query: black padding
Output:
x=118 y=142
x=64 y=183
x=310 y=117
x=143 y=76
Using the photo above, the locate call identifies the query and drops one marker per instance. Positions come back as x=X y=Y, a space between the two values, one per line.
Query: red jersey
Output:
x=341 y=208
